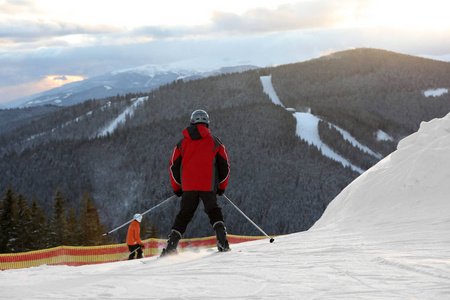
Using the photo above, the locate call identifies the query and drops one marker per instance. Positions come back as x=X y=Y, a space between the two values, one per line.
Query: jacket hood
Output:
x=196 y=132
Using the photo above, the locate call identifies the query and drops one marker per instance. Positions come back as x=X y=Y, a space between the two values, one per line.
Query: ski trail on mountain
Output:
x=308 y=127
x=121 y=118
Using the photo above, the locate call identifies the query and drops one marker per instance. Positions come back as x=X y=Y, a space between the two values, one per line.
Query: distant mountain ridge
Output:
x=133 y=80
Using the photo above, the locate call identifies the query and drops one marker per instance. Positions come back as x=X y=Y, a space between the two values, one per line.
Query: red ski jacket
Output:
x=199 y=161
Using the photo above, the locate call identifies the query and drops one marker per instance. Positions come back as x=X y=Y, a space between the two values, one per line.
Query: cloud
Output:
x=64 y=78
x=288 y=17
x=19 y=30
x=303 y=15
x=17 y=7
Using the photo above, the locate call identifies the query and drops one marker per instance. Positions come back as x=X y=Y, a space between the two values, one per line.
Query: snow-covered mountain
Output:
x=384 y=237
x=133 y=80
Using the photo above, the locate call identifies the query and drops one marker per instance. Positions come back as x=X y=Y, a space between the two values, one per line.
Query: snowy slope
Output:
x=129 y=111
x=386 y=236
x=308 y=130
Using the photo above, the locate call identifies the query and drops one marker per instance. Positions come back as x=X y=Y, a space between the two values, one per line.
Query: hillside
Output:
x=11 y=119
x=384 y=237
x=281 y=181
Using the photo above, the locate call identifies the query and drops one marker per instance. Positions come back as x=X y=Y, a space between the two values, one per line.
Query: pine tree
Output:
x=73 y=228
x=58 y=225
x=91 y=229
x=24 y=225
x=38 y=227
x=9 y=223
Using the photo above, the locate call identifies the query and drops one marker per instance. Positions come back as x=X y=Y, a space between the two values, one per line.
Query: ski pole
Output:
x=271 y=239
x=141 y=214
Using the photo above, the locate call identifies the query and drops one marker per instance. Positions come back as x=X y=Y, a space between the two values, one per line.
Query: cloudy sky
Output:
x=47 y=43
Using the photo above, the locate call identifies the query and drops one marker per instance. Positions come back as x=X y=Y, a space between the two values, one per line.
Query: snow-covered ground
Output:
x=386 y=236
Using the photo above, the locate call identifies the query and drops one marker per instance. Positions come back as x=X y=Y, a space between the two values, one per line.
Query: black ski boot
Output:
x=221 y=234
x=172 y=243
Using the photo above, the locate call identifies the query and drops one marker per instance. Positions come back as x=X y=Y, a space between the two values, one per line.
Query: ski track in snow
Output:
x=307 y=130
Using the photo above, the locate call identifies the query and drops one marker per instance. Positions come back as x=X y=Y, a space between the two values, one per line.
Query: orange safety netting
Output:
x=78 y=256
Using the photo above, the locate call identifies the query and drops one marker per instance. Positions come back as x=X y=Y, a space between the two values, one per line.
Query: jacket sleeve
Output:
x=223 y=165
x=175 y=167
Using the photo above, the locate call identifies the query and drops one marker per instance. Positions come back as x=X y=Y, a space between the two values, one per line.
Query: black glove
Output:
x=142 y=246
x=179 y=193
x=220 y=192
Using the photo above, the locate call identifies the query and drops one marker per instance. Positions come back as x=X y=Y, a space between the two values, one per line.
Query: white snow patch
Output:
x=308 y=130
x=348 y=137
x=121 y=118
x=269 y=90
x=435 y=92
x=383 y=136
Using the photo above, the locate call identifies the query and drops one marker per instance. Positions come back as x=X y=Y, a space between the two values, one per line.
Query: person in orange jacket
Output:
x=133 y=237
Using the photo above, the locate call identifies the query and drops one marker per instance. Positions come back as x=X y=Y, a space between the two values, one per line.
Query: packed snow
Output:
x=385 y=236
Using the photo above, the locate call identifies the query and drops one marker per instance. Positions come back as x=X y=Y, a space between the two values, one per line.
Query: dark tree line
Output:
x=25 y=228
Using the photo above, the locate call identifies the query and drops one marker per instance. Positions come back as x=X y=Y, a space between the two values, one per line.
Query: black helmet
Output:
x=200 y=117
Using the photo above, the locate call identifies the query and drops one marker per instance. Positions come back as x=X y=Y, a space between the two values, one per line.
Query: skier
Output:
x=133 y=237
x=199 y=169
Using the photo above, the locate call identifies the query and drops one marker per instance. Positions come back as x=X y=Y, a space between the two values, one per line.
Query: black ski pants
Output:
x=188 y=205
x=133 y=251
